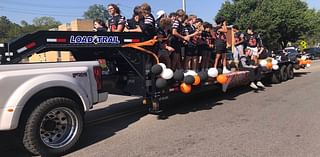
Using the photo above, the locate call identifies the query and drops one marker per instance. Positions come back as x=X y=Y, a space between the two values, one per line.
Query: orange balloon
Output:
x=185 y=88
x=196 y=80
x=222 y=79
x=269 y=65
x=302 y=62
x=308 y=61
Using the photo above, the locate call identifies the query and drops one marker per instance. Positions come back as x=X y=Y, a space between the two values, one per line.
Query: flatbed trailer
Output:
x=128 y=60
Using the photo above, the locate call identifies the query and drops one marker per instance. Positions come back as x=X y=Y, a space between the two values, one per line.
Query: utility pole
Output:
x=184 y=5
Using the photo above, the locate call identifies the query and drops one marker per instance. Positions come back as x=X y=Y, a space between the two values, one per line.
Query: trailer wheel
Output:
x=290 y=71
x=53 y=127
x=283 y=73
x=276 y=77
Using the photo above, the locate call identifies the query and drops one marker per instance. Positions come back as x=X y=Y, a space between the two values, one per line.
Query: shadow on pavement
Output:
x=300 y=74
x=102 y=124
x=205 y=100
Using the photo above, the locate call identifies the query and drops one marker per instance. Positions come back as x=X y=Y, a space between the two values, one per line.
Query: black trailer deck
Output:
x=126 y=58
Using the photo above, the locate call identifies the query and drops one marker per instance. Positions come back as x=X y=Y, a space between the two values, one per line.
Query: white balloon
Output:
x=308 y=65
x=163 y=66
x=263 y=62
x=213 y=72
x=167 y=74
x=187 y=73
x=191 y=72
x=274 y=62
x=303 y=57
x=275 y=67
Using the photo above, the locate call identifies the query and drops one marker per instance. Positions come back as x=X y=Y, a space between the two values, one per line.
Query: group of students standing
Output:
x=186 y=41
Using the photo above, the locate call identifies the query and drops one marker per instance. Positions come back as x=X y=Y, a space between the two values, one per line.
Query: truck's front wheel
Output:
x=53 y=127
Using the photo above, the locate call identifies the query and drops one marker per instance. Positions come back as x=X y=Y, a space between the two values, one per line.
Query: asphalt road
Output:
x=282 y=120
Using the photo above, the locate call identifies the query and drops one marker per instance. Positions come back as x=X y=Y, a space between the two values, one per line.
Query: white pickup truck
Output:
x=45 y=103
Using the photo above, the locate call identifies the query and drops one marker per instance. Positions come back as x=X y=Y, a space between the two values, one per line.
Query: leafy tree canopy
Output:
x=278 y=21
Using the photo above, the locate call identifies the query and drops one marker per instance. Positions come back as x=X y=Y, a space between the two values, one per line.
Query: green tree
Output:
x=279 y=21
x=96 y=11
x=10 y=30
x=45 y=22
x=312 y=35
x=4 y=26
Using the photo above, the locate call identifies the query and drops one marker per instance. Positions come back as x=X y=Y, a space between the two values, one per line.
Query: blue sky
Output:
x=67 y=10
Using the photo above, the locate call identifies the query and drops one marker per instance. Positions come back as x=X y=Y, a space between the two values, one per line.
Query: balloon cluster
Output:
x=270 y=63
x=164 y=72
x=304 y=61
x=191 y=78
x=188 y=78
x=213 y=72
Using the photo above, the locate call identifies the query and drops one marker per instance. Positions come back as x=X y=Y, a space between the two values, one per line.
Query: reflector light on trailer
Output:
x=131 y=40
x=1 y=44
x=56 y=40
x=29 y=46
x=8 y=54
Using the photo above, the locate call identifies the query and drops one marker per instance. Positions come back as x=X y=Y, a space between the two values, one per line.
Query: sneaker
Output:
x=254 y=86
x=225 y=71
x=259 y=83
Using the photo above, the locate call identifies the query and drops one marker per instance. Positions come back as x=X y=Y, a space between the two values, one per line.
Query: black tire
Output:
x=47 y=130
x=290 y=72
x=283 y=73
x=276 y=77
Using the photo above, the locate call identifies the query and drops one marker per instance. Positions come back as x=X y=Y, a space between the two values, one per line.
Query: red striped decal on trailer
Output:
x=29 y=46
x=131 y=40
x=56 y=40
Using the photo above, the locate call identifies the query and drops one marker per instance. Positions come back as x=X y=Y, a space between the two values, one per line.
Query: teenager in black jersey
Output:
x=132 y=25
x=148 y=25
x=221 y=43
x=239 y=41
x=253 y=41
x=177 y=40
x=144 y=21
x=254 y=71
x=192 y=29
x=160 y=15
x=99 y=26
x=163 y=33
x=116 y=21
x=173 y=16
x=206 y=45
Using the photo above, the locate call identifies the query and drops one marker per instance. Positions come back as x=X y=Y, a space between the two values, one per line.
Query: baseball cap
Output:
x=160 y=13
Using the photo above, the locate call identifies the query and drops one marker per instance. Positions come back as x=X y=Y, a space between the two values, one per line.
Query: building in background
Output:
x=63 y=56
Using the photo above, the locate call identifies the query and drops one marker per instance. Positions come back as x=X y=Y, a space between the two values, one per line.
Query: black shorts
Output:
x=177 y=48
x=221 y=49
x=163 y=53
x=191 y=51
x=205 y=52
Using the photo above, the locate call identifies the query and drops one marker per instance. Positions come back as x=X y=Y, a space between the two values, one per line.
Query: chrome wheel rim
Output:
x=58 y=127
